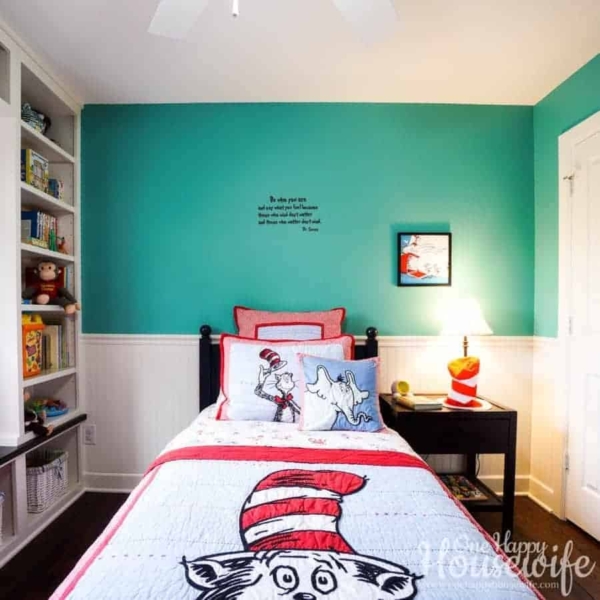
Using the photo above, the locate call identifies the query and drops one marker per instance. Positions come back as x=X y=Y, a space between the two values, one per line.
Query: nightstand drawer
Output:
x=455 y=435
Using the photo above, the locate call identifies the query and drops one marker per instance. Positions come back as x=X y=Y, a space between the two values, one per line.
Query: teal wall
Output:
x=170 y=195
x=572 y=102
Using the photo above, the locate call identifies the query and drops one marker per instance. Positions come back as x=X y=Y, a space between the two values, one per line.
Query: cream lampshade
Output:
x=464 y=317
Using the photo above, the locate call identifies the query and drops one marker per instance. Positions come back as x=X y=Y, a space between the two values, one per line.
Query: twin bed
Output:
x=241 y=510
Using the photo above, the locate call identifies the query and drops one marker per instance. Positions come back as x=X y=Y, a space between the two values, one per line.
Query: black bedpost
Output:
x=205 y=370
x=372 y=345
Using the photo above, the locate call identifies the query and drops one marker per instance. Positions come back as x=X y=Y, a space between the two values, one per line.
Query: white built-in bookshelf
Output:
x=23 y=79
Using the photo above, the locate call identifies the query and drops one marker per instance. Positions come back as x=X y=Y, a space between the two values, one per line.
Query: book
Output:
x=34 y=169
x=462 y=488
x=52 y=332
x=25 y=231
x=68 y=278
x=30 y=219
x=418 y=402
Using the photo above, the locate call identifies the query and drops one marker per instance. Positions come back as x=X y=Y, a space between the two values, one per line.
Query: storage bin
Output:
x=47 y=479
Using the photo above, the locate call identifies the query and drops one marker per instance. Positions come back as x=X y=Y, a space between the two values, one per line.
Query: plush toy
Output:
x=34 y=420
x=47 y=289
x=62 y=245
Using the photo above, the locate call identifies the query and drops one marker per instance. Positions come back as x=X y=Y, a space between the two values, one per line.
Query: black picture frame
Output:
x=423 y=278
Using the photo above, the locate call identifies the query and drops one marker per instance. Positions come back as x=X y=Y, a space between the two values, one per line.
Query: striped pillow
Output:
x=265 y=325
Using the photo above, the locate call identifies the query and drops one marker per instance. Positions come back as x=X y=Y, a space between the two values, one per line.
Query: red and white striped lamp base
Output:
x=463 y=391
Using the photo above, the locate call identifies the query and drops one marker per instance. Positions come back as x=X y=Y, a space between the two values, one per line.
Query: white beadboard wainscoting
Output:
x=549 y=426
x=141 y=390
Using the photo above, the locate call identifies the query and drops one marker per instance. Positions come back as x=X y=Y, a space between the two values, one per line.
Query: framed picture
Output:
x=424 y=259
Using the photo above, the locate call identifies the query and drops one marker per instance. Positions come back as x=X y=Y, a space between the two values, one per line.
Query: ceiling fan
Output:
x=373 y=19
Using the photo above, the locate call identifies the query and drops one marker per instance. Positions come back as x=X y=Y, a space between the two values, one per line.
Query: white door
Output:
x=583 y=475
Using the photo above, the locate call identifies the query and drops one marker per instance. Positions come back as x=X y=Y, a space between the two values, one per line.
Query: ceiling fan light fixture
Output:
x=235 y=11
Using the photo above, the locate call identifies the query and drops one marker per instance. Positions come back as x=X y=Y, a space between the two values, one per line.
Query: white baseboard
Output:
x=111 y=482
x=495 y=483
x=542 y=505
x=541 y=494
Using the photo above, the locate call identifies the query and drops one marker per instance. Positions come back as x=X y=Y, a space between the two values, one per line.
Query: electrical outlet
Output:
x=89 y=435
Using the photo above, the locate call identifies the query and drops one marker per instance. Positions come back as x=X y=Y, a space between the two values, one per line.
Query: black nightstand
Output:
x=462 y=432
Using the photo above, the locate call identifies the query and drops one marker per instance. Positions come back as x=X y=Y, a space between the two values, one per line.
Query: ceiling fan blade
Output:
x=175 y=18
x=374 y=20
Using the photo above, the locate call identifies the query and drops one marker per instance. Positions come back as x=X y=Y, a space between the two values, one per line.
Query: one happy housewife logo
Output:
x=292 y=547
x=543 y=566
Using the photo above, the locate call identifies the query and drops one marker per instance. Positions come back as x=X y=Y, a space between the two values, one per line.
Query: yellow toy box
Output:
x=32 y=327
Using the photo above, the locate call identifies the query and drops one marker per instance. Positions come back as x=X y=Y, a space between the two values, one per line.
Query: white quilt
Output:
x=254 y=511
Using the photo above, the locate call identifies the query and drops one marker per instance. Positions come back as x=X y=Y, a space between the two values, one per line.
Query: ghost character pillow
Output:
x=340 y=394
x=260 y=379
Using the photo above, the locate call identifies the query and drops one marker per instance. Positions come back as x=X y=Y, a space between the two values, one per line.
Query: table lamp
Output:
x=464 y=317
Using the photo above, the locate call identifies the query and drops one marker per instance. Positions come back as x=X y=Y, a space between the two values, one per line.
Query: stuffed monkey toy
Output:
x=48 y=291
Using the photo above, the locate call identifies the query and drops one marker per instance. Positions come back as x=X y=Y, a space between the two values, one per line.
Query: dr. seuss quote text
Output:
x=290 y=212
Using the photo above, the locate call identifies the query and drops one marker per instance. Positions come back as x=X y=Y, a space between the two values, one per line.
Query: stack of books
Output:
x=462 y=488
x=418 y=402
x=58 y=345
x=39 y=229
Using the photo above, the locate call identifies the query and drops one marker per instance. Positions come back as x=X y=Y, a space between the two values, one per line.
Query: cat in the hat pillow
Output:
x=286 y=408
x=293 y=549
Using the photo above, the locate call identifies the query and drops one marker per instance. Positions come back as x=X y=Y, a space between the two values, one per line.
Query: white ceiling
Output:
x=450 y=51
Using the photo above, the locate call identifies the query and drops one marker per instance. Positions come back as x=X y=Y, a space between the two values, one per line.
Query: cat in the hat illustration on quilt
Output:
x=286 y=408
x=292 y=548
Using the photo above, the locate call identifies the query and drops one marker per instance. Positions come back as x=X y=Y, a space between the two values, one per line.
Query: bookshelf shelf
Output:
x=42 y=308
x=30 y=442
x=57 y=422
x=48 y=376
x=45 y=146
x=36 y=199
x=35 y=252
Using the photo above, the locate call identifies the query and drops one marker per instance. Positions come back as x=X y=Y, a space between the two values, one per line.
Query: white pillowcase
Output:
x=260 y=379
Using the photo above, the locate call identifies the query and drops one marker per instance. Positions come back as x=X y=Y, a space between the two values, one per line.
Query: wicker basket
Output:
x=47 y=479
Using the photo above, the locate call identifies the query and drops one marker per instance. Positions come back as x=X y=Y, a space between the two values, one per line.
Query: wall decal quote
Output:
x=296 y=212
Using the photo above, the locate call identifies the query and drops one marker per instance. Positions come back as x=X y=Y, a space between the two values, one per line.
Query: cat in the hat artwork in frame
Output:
x=284 y=384
x=293 y=549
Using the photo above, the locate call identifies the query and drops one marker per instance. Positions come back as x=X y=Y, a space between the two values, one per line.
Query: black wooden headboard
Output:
x=210 y=362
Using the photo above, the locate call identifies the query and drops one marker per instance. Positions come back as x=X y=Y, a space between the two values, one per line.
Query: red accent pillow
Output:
x=266 y=325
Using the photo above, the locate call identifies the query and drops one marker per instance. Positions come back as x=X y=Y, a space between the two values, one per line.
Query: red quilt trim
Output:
x=96 y=548
x=324 y=456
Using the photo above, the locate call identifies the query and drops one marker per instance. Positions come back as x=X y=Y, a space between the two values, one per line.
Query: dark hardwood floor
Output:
x=38 y=569
x=534 y=524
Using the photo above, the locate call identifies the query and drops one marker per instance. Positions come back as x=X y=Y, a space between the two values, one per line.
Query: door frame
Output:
x=566 y=178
